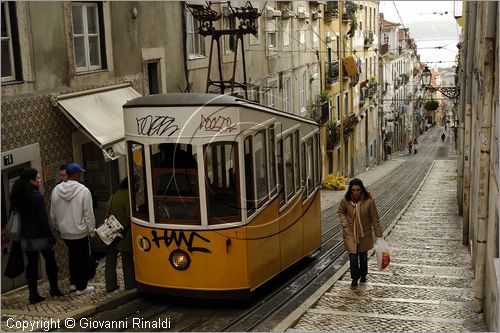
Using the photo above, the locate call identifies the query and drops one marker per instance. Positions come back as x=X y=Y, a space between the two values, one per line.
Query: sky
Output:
x=412 y=12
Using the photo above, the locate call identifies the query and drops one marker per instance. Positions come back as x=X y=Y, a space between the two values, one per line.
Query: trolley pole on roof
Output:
x=247 y=24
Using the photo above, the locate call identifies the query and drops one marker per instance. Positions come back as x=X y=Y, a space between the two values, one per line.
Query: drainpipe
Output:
x=461 y=113
x=184 y=48
x=341 y=88
x=486 y=96
x=468 y=119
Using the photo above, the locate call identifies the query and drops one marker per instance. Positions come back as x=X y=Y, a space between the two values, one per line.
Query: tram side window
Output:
x=318 y=160
x=175 y=183
x=303 y=169
x=289 y=175
x=272 y=160
x=296 y=160
x=310 y=166
x=261 y=168
x=281 y=176
x=222 y=185
x=249 y=180
x=138 y=181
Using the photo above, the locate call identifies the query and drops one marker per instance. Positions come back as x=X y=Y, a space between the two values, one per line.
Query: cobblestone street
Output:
x=428 y=284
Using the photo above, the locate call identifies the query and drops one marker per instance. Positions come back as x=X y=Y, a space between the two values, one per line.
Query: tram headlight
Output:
x=179 y=259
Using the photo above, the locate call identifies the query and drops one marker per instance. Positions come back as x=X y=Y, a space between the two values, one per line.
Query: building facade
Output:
x=478 y=160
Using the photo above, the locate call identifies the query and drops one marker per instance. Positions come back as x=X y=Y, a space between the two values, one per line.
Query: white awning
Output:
x=99 y=114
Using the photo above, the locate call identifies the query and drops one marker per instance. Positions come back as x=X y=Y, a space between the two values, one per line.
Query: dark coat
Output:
x=34 y=218
x=369 y=219
x=119 y=206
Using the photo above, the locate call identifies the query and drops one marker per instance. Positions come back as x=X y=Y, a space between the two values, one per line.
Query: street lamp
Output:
x=450 y=92
x=426 y=77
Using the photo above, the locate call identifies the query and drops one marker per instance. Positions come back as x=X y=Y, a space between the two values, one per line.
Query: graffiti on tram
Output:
x=156 y=125
x=178 y=237
x=217 y=124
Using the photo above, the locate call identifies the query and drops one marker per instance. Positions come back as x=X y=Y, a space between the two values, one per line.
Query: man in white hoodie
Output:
x=71 y=210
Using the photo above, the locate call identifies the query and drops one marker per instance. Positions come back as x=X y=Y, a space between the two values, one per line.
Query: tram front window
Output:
x=175 y=183
x=221 y=180
x=138 y=181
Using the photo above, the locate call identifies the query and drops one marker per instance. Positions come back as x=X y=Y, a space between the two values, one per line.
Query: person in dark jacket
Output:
x=358 y=215
x=119 y=206
x=36 y=234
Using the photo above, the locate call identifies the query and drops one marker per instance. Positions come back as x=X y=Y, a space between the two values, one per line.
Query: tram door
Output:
x=9 y=176
x=102 y=179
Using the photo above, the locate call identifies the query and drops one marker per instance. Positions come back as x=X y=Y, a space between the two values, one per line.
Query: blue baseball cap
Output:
x=73 y=168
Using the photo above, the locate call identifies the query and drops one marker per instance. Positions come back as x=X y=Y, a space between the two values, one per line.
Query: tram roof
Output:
x=185 y=99
x=203 y=99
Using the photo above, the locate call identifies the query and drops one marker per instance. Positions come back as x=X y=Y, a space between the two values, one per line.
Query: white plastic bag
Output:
x=13 y=227
x=383 y=254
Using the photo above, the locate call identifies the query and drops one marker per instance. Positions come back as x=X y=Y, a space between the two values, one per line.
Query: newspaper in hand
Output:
x=110 y=229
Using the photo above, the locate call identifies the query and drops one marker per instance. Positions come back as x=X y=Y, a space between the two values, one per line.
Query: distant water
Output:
x=431 y=54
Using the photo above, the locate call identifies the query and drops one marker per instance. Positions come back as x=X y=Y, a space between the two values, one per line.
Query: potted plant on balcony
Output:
x=331 y=10
x=352 y=8
x=324 y=99
x=431 y=105
x=333 y=134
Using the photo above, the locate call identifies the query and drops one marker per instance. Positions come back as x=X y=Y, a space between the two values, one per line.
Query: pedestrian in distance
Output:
x=410 y=146
x=358 y=215
x=443 y=136
x=36 y=234
x=71 y=210
x=119 y=206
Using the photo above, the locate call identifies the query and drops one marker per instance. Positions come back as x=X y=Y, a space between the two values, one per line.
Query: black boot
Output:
x=36 y=299
x=56 y=292
x=354 y=283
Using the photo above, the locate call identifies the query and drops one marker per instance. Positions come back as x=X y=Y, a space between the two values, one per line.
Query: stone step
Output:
x=393 y=290
x=399 y=306
x=393 y=276
x=333 y=321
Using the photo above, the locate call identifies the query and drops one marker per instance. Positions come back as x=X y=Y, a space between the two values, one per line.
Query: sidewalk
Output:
x=427 y=287
x=16 y=310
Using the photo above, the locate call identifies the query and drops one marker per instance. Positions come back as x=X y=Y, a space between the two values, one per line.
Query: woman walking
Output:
x=36 y=235
x=358 y=215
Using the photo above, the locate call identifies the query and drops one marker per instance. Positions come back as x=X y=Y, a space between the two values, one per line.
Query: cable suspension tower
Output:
x=247 y=24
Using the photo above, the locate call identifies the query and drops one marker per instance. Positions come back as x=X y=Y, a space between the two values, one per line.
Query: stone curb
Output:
x=107 y=304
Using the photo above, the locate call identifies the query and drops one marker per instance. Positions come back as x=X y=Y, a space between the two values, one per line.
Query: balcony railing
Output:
x=331 y=11
x=372 y=91
x=368 y=38
x=332 y=72
x=384 y=48
x=347 y=9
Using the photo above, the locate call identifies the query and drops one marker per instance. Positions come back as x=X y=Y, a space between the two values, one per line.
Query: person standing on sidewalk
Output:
x=358 y=215
x=410 y=146
x=71 y=210
x=119 y=206
x=36 y=235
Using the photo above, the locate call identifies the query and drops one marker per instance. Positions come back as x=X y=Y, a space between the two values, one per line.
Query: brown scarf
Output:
x=357 y=227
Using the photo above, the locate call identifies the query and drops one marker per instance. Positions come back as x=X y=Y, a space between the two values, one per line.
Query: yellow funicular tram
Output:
x=224 y=193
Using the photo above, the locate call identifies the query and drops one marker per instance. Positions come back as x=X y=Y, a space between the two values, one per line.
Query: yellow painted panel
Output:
x=291 y=244
x=214 y=264
x=312 y=228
